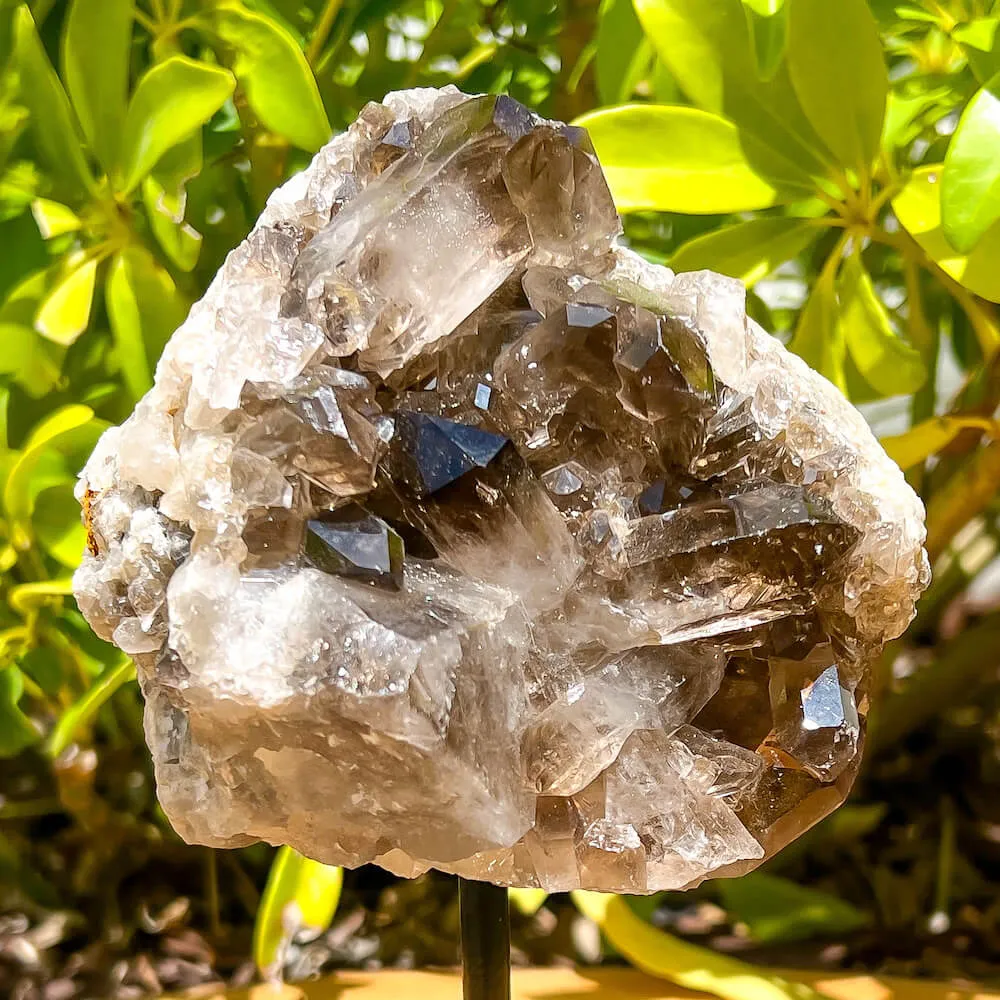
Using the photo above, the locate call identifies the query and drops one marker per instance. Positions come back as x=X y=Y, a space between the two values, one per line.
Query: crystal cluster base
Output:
x=454 y=534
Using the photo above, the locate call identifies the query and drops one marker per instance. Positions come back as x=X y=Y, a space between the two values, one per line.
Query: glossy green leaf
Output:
x=970 y=182
x=75 y=719
x=301 y=896
x=928 y=438
x=144 y=308
x=65 y=312
x=623 y=52
x=747 y=250
x=708 y=49
x=17 y=731
x=54 y=219
x=274 y=75
x=918 y=208
x=819 y=337
x=52 y=121
x=906 y=115
x=660 y=954
x=172 y=99
x=528 y=901
x=57 y=525
x=178 y=240
x=29 y=358
x=95 y=57
x=889 y=364
x=839 y=74
x=776 y=909
x=676 y=159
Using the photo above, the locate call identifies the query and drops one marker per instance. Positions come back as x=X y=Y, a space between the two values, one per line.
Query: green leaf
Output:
x=970 y=182
x=767 y=21
x=662 y=955
x=55 y=129
x=65 y=311
x=172 y=99
x=776 y=909
x=675 y=159
x=888 y=364
x=623 y=52
x=57 y=526
x=301 y=895
x=33 y=361
x=838 y=71
x=978 y=39
x=274 y=74
x=747 y=250
x=179 y=241
x=528 y=901
x=928 y=438
x=81 y=713
x=145 y=309
x=17 y=731
x=918 y=208
x=95 y=57
x=819 y=338
x=708 y=50
x=54 y=219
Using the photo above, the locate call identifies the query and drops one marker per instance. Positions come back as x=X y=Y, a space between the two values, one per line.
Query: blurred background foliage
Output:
x=840 y=156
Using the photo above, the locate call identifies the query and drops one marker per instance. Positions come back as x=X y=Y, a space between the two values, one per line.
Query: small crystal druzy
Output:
x=454 y=534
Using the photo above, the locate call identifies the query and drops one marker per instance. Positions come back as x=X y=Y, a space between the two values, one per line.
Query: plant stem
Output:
x=322 y=30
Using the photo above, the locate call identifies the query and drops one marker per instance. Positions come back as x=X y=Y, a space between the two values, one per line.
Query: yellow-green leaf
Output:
x=274 y=74
x=65 y=312
x=178 y=240
x=81 y=713
x=53 y=218
x=57 y=525
x=767 y=21
x=662 y=955
x=17 y=731
x=928 y=438
x=918 y=208
x=747 y=250
x=839 y=74
x=528 y=901
x=978 y=39
x=623 y=51
x=970 y=182
x=172 y=99
x=819 y=338
x=55 y=129
x=677 y=159
x=301 y=896
x=95 y=56
x=144 y=308
x=888 y=364
x=708 y=50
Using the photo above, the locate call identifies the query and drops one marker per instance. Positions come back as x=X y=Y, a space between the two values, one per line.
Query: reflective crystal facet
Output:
x=454 y=534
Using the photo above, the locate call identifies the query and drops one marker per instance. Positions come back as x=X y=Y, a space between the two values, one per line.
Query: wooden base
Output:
x=584 y=984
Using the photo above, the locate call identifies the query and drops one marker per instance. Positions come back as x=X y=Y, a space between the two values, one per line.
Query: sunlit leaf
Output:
x=776 y=909
x=81 y=713
x=839 y=73
x=906 y=115
x=528 y=901
x=888 y=364
x=767 y=21
x=172 y=99
x=17 y=731
x=54 y=219
x=55 y=129
x=970 y=182
x=65 y=312
x=708 y=49
x=57 y=526
x=677 y=159
x=144 y=308
x=918 y=208
x=747 y=250
x=301 y=897
x=978 y=39
x=95 y=57
x=819 y=338
x=32 y=360
x=273 y=72
x=662 y=955
x=928 y=438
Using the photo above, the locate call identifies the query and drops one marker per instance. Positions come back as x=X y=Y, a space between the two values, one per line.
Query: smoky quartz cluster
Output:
x=454 y=534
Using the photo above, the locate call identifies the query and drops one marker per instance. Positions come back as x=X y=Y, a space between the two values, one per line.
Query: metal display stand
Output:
x=485 y=921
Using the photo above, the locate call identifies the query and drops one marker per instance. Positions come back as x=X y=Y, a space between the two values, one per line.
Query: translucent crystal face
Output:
x=455 y=535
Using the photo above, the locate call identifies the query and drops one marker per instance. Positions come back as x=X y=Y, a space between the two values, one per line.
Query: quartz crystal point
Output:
x=454 y=534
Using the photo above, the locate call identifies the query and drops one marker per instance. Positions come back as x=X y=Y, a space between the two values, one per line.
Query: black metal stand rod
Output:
x=485 y=920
